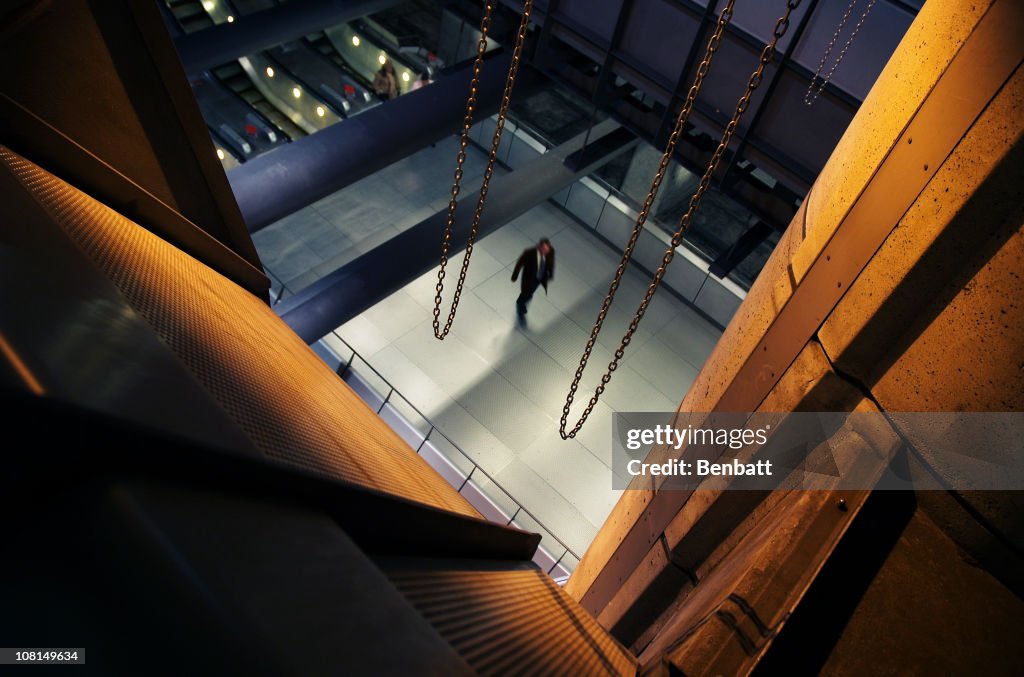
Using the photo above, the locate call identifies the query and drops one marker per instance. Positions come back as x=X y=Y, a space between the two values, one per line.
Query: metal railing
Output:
x=277 y=288
x=471 y=481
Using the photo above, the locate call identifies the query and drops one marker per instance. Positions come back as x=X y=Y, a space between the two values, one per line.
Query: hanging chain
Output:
x=467 y=122
x=812 y=93
x=755 y=80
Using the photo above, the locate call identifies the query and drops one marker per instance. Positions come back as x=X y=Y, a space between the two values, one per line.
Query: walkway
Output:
x=495 y=388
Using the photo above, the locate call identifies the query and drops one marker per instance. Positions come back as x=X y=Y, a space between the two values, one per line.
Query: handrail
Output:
x=474 y=467
x=280 y=294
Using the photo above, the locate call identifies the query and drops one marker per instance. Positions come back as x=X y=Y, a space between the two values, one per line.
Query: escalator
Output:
x=235 y=133
x=321 y=43
x=330 y=82
x=236 y=79
x=190 y=15
x=234 y=125
x=363 y=52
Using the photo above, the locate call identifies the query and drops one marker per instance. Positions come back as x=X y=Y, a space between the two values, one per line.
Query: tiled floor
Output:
x=497 y=389
x=494 y=387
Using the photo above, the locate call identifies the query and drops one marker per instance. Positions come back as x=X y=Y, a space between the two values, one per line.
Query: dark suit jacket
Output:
x=528 y=264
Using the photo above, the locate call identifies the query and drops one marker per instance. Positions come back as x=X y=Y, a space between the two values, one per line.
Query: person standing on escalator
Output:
x=385 y=82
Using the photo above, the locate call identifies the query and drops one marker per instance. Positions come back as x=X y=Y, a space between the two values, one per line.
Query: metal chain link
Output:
x=812 y=93
x=517 y=51
x=755 y=79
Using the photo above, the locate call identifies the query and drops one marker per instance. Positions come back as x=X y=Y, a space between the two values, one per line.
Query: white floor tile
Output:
x=364 y=336
x=549 y=506
x=396 y=315
x=660 y=365
x=578 y=477
x=507 y=245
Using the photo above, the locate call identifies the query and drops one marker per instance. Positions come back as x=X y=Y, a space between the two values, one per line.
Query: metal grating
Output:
x=514 y=621
x=289 y=403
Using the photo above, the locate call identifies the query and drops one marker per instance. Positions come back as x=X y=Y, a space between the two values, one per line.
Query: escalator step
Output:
x=238 y=83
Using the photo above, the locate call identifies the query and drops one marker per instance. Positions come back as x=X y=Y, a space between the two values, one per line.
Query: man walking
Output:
x=538 y=267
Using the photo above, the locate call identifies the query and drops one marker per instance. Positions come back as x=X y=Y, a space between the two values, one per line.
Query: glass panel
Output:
x=409 y=413
x=596 y=19
x=451 y=452
x=496 y=495
x=553 y=115
x=655 y=30
x=876 y=41
x=717 y=224
x=369 y=376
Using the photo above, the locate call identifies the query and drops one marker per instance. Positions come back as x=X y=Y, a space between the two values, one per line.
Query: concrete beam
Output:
x=880 y=173
x=274 y=185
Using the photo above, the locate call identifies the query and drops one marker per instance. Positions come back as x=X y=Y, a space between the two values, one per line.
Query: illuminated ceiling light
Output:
x=355 y=40
x=405 y=76
x=220 y=154
x=231 y=19
x=382 y=59
x=208 y=5
x=296 y=92
x=320 y=111
x=270 y=72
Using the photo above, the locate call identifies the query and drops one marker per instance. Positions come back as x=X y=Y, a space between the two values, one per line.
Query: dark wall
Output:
x=104 y=74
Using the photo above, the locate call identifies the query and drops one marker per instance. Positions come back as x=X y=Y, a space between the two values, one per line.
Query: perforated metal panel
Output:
x=288 y=402
x=510 y=622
